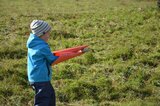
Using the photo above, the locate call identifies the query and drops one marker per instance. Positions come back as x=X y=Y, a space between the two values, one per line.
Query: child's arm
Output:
x=48 y=55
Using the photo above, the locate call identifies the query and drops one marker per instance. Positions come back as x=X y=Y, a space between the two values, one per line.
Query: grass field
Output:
x=122 y=68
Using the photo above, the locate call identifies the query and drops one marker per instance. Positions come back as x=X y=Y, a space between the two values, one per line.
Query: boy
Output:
x=40 y=59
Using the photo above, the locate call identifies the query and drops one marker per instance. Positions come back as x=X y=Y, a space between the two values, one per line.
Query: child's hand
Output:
x=85 y=50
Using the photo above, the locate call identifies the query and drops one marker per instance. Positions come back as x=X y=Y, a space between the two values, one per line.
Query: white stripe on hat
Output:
x=38 y=29
x=46 y=29
x=37 y=26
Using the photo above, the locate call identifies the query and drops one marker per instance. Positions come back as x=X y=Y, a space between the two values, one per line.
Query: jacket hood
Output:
x=34 y=42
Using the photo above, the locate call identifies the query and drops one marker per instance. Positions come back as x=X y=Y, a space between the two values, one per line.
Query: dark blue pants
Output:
x=45 y=94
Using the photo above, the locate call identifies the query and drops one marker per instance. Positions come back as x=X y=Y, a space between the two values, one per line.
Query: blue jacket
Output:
x=39 y=60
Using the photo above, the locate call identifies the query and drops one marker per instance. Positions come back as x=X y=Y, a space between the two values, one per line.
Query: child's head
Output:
x=41 y=29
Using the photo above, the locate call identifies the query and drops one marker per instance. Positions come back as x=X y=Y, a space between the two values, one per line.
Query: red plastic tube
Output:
x=68 y=53
x=73 y=49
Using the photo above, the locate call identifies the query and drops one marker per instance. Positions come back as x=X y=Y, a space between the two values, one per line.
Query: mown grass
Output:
x=122 y=68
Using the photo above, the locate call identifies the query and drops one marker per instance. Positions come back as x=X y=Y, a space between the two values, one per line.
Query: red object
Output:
x=68 y=53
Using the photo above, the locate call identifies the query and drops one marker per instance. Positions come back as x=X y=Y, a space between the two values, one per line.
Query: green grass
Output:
x=122 y=68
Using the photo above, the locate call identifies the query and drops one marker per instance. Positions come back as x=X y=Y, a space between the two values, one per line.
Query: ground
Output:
x=122 y=68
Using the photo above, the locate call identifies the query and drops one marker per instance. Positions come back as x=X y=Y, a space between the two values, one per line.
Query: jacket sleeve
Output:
x=48 y=55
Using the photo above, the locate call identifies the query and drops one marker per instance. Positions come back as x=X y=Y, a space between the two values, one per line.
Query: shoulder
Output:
x=45 y=49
